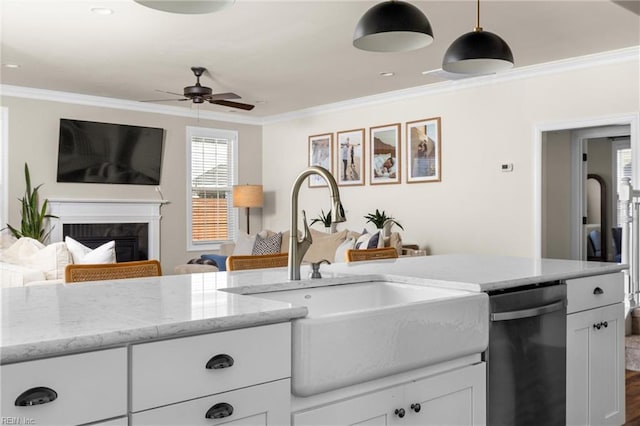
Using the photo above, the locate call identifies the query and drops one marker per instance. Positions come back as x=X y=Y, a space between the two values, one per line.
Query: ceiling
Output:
x=286 y=55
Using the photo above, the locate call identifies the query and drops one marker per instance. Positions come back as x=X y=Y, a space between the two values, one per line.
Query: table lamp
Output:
x=247 y=196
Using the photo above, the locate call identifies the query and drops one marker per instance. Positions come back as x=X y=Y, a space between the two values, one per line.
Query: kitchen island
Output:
x=154 y=321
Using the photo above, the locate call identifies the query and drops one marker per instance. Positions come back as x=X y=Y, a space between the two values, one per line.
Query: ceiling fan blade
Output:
x=171 y=93
x=164 y=100
x=231 y=104
x=222 y=96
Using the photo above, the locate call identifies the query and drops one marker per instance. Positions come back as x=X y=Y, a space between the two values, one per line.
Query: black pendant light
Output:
x=478 y=52
x=393 y=26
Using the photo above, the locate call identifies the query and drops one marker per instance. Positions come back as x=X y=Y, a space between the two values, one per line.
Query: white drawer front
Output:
x=267 y=404
x=89 y=387
x=593 y=292
x=175 y=370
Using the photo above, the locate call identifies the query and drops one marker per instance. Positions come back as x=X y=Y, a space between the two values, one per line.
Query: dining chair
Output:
x=75 y=273
x=241 y=262
x=355 y=255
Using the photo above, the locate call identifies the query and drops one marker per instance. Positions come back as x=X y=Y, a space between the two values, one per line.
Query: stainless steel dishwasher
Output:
x=526 y=357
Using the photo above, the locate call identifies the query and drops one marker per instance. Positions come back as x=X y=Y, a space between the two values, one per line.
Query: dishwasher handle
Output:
x=526 y=313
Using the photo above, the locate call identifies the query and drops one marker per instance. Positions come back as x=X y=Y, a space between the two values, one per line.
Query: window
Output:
x=622 y=169
x=211 y=164
x=4 y=161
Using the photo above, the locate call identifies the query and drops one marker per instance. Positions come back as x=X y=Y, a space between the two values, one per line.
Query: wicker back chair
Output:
x=371 y=254
x=75 y=273
x=237 y=263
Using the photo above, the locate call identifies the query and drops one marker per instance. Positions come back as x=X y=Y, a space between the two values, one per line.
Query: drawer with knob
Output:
x=176 y=370
x=267 y=404
x=72 y=389
x=594 y=292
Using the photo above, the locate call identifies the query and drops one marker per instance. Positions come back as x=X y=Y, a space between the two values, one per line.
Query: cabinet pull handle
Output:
x=597 y=326
x=220 y=361
x=606 y=324
x=598 y=290
x=399 y=412
x=416 y=407
x=219 y=411
x=36 y=396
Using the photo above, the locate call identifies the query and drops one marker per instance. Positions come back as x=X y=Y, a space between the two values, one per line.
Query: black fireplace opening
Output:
x=131 y=239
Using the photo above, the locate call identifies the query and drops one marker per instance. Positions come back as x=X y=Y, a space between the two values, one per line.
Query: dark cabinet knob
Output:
x=598 y=290
x=220 y=361
x=416 y=407
x=219 y=411
x=597 y=326
x=605 y=324
x=399 y=412
x=36 y=396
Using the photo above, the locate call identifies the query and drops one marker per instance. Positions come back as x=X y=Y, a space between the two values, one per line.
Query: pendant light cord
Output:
x=478 y=27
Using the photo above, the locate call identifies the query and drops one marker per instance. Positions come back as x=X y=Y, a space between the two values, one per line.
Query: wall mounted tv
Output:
x=91 y=152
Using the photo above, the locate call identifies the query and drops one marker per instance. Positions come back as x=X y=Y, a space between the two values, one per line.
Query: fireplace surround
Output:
x=124 y=216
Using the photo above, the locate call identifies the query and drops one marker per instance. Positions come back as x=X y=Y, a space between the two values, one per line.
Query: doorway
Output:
x=571 y=223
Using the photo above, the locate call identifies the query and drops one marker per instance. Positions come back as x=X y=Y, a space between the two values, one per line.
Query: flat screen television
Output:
x=91 y=152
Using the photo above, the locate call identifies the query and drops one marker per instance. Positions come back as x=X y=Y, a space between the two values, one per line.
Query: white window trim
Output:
x=213 y=133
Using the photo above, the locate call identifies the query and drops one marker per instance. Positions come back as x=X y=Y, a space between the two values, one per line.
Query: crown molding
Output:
x=123 y=104
x=531 y=71
x=587 y=61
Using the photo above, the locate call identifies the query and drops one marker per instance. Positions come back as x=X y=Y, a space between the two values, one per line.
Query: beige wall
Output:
x=33 y=138
x=476 y=208
x=556 y=186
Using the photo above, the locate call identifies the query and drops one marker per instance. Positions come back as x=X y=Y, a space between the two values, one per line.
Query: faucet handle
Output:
x=315 y=268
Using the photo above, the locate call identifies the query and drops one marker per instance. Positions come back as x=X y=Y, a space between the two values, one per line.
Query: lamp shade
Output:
x=187 y=6
x=393 y=26
x=248 y=196
x=478 y=52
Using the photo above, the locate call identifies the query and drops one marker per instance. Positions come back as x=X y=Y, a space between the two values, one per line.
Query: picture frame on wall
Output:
x=423 y=147
x=385 y=158
x=350 y=157
x=320 y=154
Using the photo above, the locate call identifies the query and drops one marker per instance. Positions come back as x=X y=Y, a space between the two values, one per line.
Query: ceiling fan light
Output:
x=393 y=26
x=191 y=7
x=478 y=52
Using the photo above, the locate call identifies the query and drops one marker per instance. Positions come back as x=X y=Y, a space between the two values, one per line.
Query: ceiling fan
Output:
x=199 y=94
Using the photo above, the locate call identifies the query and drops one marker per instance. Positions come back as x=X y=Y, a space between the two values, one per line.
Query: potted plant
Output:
x=33 y=217
x=382 y=221
x=325 y=219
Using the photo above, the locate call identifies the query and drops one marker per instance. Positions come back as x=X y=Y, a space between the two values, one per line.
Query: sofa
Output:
x=329 y=246
x=28 y=262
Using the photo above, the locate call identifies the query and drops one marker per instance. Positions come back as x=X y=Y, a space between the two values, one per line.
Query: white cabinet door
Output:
x=374 y=409
x=595 y=366
x=453 y=398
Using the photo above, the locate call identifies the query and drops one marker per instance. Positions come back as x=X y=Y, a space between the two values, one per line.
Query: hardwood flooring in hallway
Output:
x=632 y=398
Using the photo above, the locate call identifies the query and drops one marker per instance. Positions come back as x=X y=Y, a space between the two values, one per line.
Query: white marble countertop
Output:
x=51 y=320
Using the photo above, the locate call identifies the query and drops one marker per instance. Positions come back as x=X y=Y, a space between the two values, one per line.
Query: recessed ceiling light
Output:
x=102 y=11
x=11 y=66
x=387 y=74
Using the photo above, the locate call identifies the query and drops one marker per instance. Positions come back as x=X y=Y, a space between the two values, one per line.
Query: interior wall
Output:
x=33 y=138
x=556 y=205
x=476 y=208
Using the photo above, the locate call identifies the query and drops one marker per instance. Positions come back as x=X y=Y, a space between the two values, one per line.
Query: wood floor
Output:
x=633 y=398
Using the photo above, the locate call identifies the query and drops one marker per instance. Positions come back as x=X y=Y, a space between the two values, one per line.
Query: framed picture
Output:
x=385 y=154
x=350 y=158
x=423 y=151
x=320 y=154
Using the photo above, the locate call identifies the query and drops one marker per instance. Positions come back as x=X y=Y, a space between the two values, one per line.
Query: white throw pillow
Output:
x=80 y=253
x=244 y=244
x=341 y=251
x=21 y=249
x=51 y=260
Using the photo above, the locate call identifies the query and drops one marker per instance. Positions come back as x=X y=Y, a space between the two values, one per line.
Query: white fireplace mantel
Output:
x=70 y=211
